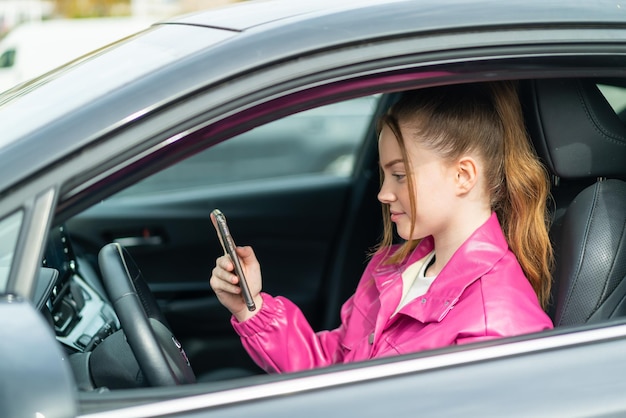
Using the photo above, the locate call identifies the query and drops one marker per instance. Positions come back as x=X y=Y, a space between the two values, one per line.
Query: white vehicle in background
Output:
x=35 y=48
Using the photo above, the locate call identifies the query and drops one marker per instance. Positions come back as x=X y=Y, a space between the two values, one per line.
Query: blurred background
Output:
x=14 y=12
x=39 y=35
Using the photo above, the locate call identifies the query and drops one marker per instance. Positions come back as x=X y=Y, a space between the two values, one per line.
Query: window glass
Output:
x=323 y=140
x=9 y=231
x=616 y=96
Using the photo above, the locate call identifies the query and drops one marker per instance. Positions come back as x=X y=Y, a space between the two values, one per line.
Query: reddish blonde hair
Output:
x=482 y=118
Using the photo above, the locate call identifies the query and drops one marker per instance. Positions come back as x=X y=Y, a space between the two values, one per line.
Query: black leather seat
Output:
x=583 y=143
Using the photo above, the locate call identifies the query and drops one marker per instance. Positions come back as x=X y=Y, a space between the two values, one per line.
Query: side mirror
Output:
x=36 y=376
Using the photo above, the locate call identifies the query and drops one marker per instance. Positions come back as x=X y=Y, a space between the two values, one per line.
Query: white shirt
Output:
x=414 y=281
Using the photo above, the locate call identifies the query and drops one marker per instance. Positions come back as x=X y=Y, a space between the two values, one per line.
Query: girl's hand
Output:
x=225 y=283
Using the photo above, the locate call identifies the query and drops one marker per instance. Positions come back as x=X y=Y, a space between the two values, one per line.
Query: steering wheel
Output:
x=160 y=356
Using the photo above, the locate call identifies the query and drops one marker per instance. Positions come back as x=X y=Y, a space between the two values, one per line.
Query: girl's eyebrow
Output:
x=393 y=162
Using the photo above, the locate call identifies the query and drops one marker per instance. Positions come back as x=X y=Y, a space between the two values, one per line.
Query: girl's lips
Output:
x=395 y=216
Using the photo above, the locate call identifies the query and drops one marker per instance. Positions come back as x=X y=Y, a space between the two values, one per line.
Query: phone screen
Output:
x=228 y=244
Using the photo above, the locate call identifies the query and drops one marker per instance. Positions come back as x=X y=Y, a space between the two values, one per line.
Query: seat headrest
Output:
x=576 y=131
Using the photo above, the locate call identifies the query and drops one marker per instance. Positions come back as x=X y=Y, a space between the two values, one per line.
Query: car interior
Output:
x=580 y=137
x=312 y=234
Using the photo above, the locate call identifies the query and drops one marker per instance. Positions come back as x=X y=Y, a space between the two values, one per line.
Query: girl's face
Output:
x=433 y=181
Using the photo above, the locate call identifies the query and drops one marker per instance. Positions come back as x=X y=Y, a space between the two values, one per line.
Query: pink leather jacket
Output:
x=481 y=293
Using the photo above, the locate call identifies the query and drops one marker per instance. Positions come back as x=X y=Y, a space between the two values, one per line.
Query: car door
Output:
x=287 y=189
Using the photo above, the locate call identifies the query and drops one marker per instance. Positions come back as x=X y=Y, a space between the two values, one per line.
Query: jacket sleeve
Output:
x=280 y=339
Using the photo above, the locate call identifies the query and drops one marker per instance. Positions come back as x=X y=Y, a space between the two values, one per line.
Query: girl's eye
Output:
x=399 y=177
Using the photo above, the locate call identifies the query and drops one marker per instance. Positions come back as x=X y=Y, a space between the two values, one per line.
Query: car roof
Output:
x=62 y=112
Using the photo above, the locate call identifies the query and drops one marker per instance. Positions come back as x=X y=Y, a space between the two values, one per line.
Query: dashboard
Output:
x=72 y=297
x=70 y=294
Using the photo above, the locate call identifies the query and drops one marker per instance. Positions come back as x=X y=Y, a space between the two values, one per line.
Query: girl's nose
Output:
x=385 y=195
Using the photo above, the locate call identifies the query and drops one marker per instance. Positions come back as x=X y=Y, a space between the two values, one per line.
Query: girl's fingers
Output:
x=227 y=283
x=224 y=275
x=229 y=288
x=225 y=263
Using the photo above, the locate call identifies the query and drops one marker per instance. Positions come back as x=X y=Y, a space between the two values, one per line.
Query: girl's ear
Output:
x=466 y=175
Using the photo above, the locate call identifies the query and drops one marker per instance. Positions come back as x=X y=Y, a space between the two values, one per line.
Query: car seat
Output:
x=583 y=143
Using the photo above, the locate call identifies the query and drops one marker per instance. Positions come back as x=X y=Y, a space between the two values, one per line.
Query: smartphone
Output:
x=228 y=244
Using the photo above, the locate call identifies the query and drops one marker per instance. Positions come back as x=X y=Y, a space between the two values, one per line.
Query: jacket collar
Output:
x=473 y=259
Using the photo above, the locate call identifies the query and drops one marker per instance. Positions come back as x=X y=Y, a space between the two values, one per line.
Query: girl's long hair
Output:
x=483 y=118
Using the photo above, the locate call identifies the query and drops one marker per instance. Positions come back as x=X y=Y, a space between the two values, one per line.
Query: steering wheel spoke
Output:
x=160 y=356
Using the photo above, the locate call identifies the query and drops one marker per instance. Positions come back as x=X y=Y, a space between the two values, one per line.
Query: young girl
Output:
x=468 y=196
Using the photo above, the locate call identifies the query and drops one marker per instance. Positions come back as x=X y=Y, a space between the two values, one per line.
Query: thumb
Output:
x=246 y=254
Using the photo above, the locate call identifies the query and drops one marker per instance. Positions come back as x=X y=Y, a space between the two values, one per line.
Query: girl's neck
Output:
x=448 y=241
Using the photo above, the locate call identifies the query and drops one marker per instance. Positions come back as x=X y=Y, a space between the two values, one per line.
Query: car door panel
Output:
x=177 y=247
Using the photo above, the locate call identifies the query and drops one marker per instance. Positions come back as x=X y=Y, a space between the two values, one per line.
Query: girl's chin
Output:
x=405 y=235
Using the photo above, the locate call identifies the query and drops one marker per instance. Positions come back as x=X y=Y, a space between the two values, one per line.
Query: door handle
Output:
x=149 y=241
x=145 y=237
